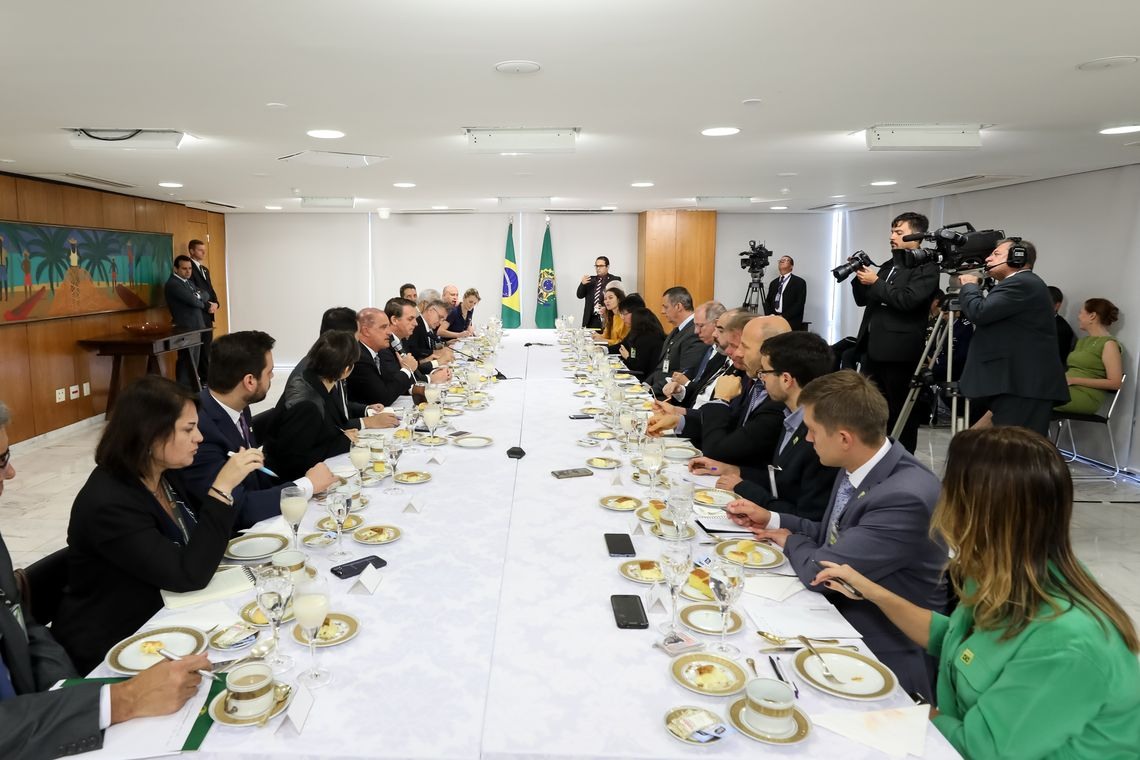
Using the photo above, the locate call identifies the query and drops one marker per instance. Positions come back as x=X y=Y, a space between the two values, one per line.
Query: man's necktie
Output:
x=754 y=394
x=246 y=434
x=205 y=272
x=780 y=294
x=704 y=363
x=599 y=288
x=842 y=497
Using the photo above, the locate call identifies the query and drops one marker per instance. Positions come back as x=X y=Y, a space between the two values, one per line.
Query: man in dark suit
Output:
x=877 y=518
x=425 y=343
x=402 y=320
x=188 y=309
x=37 y=723
x=1065 y=337
x=893 y=332
x=200 y=276
x=684 y=390
x=240 y=375
x=682 y=350
x=593 y=289
x=797 y=483
x=787 y=294
x=1012 y=364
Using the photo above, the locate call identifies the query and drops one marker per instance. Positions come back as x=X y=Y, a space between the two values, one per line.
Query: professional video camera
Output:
x=953 y=252
x=855 y=262
x=758 y=258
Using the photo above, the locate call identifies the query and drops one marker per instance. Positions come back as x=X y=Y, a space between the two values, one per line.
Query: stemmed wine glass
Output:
x=432 y=393
x=361 y=457
x=293 y=507
x=676 y=562
x=626 y=423
x=311 y=607
x=337 y=505
x=726 y=580
x=432 y=414
x=274 y=592
x=652 y=460
x=679 y=507
x=392 y=450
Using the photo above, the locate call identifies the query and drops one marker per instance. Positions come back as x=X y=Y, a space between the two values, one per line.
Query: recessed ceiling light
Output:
x=883 y=183
x=517 y=67
x=641 y=184
x=275 y=104
x=273 y=208
x=720 y=131
x=514 y=153
x=1111 y=62
x=1125 y=130
x=788 y=174
x=609 y=208
x=170 y=184
x=7 y=160
x=325 y=134
x=439 y=208
x=778 y=208
x=839 y=196
x=403 y=185
x=261 y=174
x=751 y=102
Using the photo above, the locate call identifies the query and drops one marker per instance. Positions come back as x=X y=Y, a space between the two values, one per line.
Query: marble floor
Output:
x=50 y=470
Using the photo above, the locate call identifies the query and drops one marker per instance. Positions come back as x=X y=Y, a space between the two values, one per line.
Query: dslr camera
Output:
x=756 y=258
x=855 y=262
x=954 y=252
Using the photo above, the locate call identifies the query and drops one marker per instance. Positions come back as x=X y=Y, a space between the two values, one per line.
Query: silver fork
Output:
x=823 y=663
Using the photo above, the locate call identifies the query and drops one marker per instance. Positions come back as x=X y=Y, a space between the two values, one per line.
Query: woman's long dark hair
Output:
x=610 y=315
x=643 y=322
x=144 y=416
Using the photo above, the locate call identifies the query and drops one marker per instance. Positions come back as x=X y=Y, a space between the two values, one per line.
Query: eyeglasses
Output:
x=5 y=459
x=763 y=372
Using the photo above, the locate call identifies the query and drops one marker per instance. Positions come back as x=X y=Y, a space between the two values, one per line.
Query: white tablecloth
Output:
x=491 y=634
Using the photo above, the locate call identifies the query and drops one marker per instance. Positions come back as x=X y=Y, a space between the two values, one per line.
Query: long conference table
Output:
x=491 y=634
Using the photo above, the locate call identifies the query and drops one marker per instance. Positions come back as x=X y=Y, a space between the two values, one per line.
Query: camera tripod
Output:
x=941 y=337
x=755 y=297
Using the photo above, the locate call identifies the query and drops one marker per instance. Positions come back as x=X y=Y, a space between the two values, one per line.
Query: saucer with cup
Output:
x=767 y=713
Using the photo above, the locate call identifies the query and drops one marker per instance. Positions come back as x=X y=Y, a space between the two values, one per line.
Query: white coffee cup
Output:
x=291 y=560
x=768 y=707
x=250 y=690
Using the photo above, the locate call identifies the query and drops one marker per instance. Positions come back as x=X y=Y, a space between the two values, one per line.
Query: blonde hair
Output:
x=1006 y=504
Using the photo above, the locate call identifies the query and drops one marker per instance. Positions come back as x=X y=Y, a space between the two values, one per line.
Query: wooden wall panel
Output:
x=696 y=253
x=15 y=381
x=82 y=207
x=216 y=261
x=9 y=208
x=150 y=216
x=51 y=354
x=39 y=201
x=118 y=212
x=675 y=248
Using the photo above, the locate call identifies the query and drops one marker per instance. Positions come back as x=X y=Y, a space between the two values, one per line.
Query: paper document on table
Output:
x=898 y=732
x=204 y=618
x=152 y=737
x=223 y=585
x=775 y=587
x=277 y=526
x=820 y=621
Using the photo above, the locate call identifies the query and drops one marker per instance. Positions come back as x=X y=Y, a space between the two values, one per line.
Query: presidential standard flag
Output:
x=511 y=313
x=547 y=309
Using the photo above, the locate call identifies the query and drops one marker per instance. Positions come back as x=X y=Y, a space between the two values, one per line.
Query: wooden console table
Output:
x=151 y=345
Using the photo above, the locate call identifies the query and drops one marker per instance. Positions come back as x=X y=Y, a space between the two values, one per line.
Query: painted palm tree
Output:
x=50 y=246
x=97 y=250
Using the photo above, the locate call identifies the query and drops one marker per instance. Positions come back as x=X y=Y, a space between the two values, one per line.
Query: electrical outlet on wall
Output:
x=73 y=392
x=60 y=395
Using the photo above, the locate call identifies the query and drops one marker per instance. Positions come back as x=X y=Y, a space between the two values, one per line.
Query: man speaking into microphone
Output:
x=1013 y=364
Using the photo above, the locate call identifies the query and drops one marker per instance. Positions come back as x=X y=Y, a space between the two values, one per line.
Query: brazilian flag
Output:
x=511 y=313
x=547 y=309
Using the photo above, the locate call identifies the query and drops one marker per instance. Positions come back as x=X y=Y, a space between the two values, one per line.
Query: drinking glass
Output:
x=679 y=506
x=652 y=459
x=311 y=607
x=361 y=456
x=726 y=579
x=626 y=423
x=274 y=592
x=393 y=449
x=337 y=505
x=293 y=506
x=432 y=393
x=676 y=562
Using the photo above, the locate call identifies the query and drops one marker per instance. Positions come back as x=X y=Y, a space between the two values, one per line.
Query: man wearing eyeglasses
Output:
x=593 y=289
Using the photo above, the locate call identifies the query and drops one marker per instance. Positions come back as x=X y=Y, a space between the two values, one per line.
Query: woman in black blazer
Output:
x=134 y=528
x=310 y=424
x=642 y=346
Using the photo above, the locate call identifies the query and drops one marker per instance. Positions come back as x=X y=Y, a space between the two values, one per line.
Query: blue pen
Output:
x=266 y=470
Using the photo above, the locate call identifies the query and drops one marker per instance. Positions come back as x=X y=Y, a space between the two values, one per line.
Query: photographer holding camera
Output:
x=1012 y=365
x=892 y=334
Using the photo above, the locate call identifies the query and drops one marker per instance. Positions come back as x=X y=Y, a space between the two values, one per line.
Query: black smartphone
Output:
x=581 y=416
x=356 y=567
x=457 y=434
x=619 y=544
x=577 y=472
x=629 y=612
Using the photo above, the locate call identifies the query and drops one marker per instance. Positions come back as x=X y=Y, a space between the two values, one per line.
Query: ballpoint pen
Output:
x=266 y=470
x=175 y=658
x=780 y=674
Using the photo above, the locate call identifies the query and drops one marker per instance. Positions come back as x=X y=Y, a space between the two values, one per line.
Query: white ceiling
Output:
x=641 y=78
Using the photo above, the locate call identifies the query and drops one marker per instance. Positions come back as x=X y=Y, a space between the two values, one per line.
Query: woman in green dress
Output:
x=1095 y=367
x=1037 y=661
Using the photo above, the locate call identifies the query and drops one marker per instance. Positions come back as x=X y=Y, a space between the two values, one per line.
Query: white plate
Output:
x=715 y=496
x=706 y=618
x=127 y=657
x=472 y=442
x=681 y=453
x=256 y=546
x=866 y=679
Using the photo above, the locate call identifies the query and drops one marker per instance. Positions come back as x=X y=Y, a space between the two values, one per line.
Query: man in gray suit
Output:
x=1013 y=364
x=683 y=350
x=189 y=307
x=878 y=518
x=37 y=723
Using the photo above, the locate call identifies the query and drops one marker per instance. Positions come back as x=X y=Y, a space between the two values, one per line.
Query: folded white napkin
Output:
x=275 y=525
x=223 y=585
x=204 y=618
x=898 y=732
x=774 y=587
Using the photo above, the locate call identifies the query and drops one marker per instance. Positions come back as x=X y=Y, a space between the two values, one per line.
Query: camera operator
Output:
x=892 y=334
x=1012 y=365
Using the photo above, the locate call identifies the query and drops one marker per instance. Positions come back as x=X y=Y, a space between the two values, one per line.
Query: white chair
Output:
x=1065 y=422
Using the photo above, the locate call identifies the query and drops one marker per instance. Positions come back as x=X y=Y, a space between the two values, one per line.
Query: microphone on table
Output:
x=498 y=375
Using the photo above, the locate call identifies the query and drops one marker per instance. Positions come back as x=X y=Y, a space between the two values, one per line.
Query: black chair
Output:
x=43 y=584
x=263 y=423
x=1065 y=422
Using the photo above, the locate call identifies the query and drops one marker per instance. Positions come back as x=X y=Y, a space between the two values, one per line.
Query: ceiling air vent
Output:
x=829 y=207
x=335 y=159
x=578 y=210
x=435 y=211
x=972 y=180
x=216 y=204
x=87 y=178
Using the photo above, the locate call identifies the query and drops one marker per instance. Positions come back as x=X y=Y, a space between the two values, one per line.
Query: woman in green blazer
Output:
x=1037 y=661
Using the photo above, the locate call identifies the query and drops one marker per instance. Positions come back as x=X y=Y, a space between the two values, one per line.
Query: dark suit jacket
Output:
x=422 y=341
x=122 y=549
x=186 y=303
x=371 y=385
x=895 y=313
x=586 y=290
x=884 y=534
x=716 y=430
x=791 y=303
x=38 y=723
x=259 y=496
x=803 y=484
x=716 y=363
x=643 y=352
x=684 y=351
x=308 y=427
x=200 y=276
x=1014 y=348
x=1065 y=339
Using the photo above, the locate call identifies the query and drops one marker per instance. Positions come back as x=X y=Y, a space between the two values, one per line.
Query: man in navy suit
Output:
x=189 y=307
x=684 y=390
x=877 y=519
x=241 y=370
x=200 y=276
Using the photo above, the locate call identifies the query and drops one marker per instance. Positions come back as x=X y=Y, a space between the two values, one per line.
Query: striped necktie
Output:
x=842 y=498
